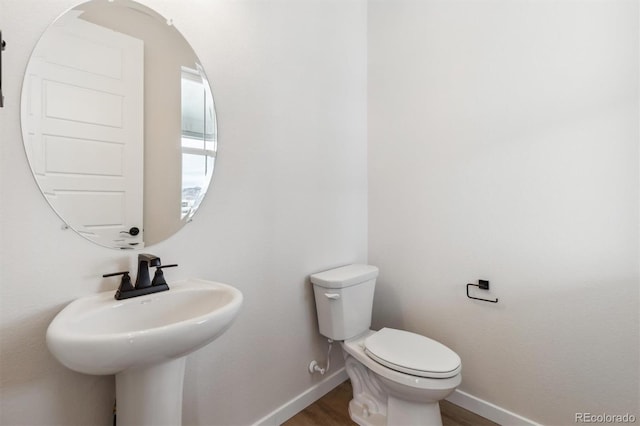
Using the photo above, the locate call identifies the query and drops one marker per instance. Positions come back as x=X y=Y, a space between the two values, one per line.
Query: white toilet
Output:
x=398 y=377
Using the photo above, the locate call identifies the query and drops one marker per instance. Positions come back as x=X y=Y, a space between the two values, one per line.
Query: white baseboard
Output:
x=302 y=401
x=488 y=410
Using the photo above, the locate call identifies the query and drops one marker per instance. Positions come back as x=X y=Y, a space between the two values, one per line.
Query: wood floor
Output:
x=333 y=410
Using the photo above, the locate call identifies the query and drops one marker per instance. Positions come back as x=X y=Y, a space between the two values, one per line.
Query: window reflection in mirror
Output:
x=198 y=140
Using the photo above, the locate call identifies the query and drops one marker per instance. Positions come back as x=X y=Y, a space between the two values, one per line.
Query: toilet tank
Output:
x=344 y=300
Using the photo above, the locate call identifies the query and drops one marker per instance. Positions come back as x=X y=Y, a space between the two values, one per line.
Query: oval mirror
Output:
x=118 y=123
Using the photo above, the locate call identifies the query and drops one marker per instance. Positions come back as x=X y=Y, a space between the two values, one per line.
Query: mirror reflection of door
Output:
x=85 y=125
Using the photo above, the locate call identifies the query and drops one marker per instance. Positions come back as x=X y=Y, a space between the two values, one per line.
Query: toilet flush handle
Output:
x=332 y=296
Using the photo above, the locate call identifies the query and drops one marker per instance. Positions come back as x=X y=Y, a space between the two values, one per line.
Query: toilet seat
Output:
x=355 y=348
x=412 y=353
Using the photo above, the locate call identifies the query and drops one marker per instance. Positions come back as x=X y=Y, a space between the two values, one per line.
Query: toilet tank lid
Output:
x=345 y=276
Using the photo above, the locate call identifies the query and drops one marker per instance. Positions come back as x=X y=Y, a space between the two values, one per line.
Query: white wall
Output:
x=503 y=144
x=288 y=199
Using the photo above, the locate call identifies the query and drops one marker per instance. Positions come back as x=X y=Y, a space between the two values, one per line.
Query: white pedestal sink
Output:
x=143 y=341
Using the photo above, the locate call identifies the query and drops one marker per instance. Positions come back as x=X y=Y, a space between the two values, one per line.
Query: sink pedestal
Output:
x=150 y=395
x=143 y=341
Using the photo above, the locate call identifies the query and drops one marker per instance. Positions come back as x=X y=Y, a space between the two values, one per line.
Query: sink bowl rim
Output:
x=58 y=330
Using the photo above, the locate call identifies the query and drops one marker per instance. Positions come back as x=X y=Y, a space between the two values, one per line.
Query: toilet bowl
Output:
x=398 y=377
x=405 y=399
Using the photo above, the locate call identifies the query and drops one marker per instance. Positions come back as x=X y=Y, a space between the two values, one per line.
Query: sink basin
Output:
x=100 y=335
x=143 y=340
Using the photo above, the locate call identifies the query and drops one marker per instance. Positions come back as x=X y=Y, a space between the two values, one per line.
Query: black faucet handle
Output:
x=125 y=282
x=158 y=277
x=166 y=266
x=113 y=274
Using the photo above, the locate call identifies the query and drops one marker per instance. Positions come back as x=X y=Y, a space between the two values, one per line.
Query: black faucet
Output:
x=144 y=261
x=143 y=285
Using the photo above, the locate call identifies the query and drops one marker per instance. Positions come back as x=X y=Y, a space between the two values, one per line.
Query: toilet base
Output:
x=380 y=401
x=403 y=412
x=360 y=414
x=369 y=404
x=399 y=413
